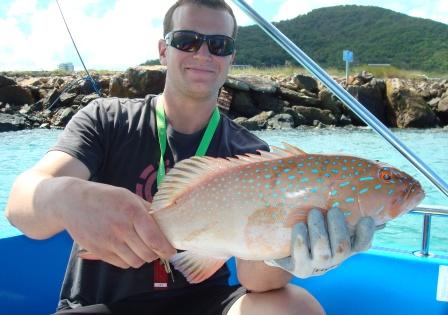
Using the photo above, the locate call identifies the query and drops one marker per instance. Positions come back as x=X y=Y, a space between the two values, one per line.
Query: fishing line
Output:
x=77 y=51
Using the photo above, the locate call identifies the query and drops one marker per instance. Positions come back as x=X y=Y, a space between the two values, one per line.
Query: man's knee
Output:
x=289 y=300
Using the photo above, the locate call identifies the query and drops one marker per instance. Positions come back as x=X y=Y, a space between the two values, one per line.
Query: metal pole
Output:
x=346 y=73
x=343 y=95
x=426 y=235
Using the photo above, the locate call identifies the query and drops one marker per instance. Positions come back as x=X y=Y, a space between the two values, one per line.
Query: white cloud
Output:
x=126 y=33
x=124 y=36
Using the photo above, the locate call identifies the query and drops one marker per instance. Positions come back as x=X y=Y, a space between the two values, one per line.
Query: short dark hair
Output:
x=213 y=4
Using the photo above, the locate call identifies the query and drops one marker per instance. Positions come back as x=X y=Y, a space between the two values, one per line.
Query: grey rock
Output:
x=11 y=122
x=236 y=84
x=243 y=105
x=325 y=116
x=248 y=124
x=306 y=82
x=16 y=94
x=5 y=81
x=259 y=84
x=297 y=98
x=281 y=121
x=267 y=102
x=67 y=99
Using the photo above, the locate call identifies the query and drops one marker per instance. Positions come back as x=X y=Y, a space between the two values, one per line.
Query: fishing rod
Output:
x=77 y=51
x=343 y=95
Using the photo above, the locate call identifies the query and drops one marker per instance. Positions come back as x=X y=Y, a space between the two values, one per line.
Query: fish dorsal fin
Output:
x=197 y=267
x=190 y=171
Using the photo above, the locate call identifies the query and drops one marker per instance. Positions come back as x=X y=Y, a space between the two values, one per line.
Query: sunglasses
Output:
x=190 y=41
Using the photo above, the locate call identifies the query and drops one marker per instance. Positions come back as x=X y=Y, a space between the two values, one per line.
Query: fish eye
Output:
x=385 y=174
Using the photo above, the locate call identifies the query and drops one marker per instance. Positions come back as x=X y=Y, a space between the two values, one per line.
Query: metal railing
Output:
x=428 y=211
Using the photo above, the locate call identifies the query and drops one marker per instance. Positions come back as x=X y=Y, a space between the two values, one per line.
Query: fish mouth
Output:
x=414 y=195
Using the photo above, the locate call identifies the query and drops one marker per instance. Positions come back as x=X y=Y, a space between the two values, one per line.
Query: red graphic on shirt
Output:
x=147 y=180
x=144 y=187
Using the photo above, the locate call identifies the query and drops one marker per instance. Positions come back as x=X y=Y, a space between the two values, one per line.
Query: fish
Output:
x=245 y=206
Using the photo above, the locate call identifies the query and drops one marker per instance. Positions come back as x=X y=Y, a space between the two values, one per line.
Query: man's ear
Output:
x=162 y=52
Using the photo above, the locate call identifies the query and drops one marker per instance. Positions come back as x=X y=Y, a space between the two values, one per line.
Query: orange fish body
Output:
x=216 y=208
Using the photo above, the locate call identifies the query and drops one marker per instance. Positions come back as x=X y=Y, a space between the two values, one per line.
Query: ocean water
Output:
x=20 y=150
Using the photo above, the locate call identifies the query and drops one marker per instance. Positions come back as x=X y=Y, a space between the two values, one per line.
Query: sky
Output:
x=118 y=34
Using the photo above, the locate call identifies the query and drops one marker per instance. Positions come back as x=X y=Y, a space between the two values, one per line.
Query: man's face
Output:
x=197 y=74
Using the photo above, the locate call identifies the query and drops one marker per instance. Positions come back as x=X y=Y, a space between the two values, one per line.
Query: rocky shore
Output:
x=256 y=102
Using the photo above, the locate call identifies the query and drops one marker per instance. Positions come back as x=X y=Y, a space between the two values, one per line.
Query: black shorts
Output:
x=207 y=300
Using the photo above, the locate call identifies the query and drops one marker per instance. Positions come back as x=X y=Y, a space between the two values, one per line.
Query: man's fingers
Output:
x=109 y=258
x=363 y=234
x=140 y=249
x=122 y=250
x=319 y=242
x=339 y=235
x=151 y=235
x=300 y=245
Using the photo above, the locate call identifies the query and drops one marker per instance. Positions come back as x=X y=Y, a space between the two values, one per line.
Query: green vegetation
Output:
x=375 y=35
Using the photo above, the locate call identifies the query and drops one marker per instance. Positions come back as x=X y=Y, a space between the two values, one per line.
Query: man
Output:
x=98 y=181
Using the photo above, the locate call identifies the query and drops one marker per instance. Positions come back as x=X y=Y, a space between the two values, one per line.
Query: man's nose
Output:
x=203 y=51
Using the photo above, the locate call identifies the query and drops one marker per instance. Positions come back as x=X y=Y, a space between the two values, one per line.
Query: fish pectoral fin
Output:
x=197 y=267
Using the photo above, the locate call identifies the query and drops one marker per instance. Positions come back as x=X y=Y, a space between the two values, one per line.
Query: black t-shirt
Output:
x=117 y=140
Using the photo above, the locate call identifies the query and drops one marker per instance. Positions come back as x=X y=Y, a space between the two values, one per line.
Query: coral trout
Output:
x=215 y=208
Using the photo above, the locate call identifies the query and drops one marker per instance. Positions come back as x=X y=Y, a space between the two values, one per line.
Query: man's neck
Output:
x=187 y=115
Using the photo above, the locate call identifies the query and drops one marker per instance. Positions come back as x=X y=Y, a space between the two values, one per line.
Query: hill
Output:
x=374 y=34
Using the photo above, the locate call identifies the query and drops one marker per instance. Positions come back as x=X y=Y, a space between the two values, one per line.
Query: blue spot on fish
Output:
x=344 y=184
x=314 y=171
x=363 y=179
x=350 y=200
x=291 y=177
x=267 y=176
x=313 y=190
x=363 y=191
x=300 y=165
x=391 y=192
x=378 y=186
x=327 y=175
x=320 y=180
x=304 y=180
x=336 y=204
x=344 y=168
x=275 y=168
x=335 y=171
x=286 y=170
x=334 y=192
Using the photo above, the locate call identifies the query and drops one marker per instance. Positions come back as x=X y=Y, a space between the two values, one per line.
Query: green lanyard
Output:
x=161 y=132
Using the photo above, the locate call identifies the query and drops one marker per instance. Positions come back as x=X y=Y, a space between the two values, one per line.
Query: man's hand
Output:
x=113 y=224
x=318 y=246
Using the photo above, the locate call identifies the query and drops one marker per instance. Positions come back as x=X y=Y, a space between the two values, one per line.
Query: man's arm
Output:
x=110 y=222
x=36 y=194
